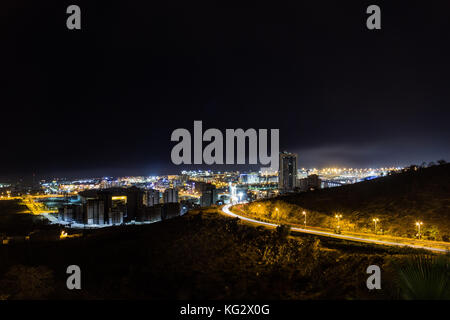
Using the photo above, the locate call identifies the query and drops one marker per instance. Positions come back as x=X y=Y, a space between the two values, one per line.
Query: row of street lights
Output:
x=375 y=221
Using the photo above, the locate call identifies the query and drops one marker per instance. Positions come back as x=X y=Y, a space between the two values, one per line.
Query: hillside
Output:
x=198 y=256
x=15 y=219
x=398 y=200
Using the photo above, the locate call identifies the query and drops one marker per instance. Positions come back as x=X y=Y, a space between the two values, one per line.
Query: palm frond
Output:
x=424 y=277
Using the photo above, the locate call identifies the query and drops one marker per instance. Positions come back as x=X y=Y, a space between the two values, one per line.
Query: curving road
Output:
x=226 y=211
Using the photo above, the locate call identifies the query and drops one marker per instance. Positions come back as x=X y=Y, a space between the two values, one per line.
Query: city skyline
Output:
x=14 y=178
x=252 y=169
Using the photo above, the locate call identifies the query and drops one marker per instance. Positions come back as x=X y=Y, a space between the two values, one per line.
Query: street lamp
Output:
x=375 y=220
x=277 y=215
x=418 y=224
x=338 y=217
x=304 y=213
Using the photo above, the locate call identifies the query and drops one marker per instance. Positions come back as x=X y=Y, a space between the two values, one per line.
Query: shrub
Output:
x=283 y=231
x=424 y=277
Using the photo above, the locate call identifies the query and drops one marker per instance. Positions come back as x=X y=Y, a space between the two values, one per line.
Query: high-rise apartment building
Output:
x=170 y=195
x=287 y=174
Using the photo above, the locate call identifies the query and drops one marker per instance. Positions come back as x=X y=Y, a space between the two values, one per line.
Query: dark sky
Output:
x=105 y=100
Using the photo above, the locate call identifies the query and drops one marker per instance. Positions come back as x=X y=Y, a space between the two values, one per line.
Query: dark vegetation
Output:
x=16 y=220
x=202 y=255
x=398 y=200
x=424 y=277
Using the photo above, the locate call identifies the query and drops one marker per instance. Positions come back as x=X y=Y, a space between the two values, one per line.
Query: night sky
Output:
x=105 y=100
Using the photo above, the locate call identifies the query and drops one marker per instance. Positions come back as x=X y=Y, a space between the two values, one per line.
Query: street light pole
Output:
x=304 y=213
x=375 y=220
x=338 y=216
x=418 y=224
x=277 y=215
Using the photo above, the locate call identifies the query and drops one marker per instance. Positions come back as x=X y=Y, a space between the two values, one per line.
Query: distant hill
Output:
x=398 y=200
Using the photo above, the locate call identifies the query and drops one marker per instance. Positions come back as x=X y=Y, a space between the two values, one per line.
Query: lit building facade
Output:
x=151 y=197
x=171 y=196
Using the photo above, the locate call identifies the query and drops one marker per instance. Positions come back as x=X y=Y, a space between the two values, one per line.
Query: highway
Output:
x=406 y=242
x=39 y=196
x=35 y=208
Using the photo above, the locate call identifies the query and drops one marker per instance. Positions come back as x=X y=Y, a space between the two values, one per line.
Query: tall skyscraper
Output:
x=287 y=174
